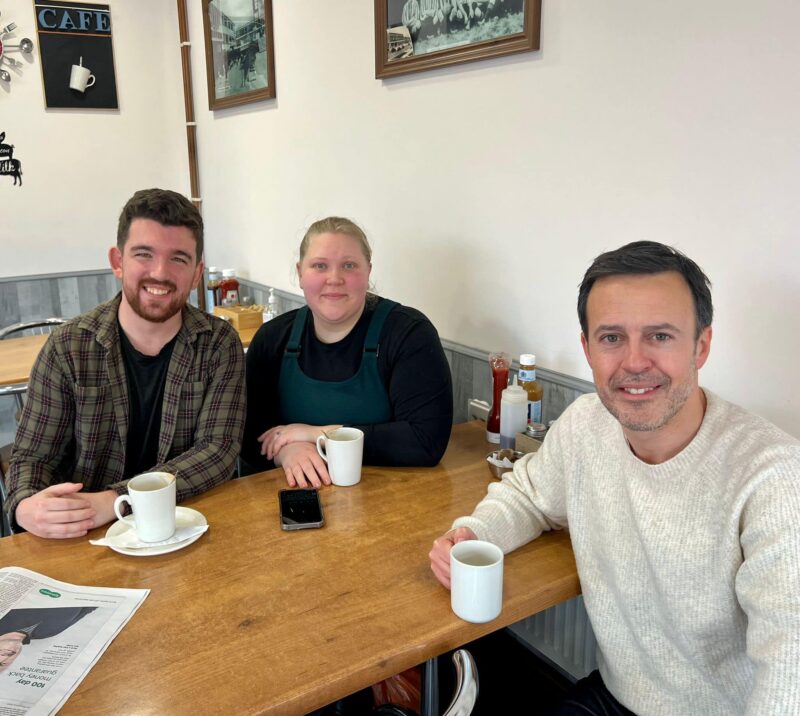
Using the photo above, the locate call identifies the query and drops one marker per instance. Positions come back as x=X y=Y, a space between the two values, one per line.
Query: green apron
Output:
x=359 y=400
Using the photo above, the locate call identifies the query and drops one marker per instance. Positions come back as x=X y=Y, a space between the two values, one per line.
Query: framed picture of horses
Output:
x=240 y=57
x=416 y=35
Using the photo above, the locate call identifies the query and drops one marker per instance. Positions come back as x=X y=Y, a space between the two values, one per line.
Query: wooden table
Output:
x=17 y=356
x=251 y=619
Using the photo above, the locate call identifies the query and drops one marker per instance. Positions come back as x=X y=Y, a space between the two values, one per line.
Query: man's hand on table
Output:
x=103 y=505
x=302 y=465
x=60 y=512
x=440 y=553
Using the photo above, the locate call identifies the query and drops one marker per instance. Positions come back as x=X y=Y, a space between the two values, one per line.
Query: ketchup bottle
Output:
x=500 y=363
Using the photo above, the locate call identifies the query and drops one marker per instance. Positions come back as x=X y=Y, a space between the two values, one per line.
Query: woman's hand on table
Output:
x=440 y=552
x=275 y=439
x=302 y=465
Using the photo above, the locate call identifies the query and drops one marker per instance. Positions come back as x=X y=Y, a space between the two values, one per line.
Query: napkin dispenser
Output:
x=240 y=317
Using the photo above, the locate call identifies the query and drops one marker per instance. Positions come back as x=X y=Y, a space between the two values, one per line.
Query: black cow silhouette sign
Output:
x=8 y=165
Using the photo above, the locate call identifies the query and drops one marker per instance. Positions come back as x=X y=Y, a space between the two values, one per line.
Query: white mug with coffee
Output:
x=81 y=77
x=476 y=581
x=152 y=497
x=343 y=450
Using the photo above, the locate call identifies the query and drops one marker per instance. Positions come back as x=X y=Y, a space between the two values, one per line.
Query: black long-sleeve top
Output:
x=411 y=364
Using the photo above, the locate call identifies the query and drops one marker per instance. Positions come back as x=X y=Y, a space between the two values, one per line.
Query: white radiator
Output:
x=563 y=636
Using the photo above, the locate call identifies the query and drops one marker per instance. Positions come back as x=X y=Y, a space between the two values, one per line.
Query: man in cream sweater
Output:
x=683 y=509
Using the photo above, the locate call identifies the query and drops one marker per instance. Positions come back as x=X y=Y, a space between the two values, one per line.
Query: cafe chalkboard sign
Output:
x=76 y=35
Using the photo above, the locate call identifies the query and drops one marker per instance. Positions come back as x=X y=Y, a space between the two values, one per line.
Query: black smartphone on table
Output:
x=300 y=509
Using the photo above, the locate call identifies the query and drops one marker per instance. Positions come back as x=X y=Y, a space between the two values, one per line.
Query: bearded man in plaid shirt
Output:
x=141 y=383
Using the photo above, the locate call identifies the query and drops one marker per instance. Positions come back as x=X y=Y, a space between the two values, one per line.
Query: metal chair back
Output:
x=42 y=326
x=29 y=328
x=466 y=692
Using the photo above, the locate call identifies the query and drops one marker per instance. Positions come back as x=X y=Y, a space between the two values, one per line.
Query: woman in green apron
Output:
x=346 y=358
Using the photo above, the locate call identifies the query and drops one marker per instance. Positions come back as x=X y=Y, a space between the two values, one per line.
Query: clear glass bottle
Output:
x=534 y=389
x=212 y=288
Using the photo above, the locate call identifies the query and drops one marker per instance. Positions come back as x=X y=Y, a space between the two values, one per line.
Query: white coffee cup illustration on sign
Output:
x=81 y=77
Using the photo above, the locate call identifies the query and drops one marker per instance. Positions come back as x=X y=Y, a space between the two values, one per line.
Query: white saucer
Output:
x=184 y=517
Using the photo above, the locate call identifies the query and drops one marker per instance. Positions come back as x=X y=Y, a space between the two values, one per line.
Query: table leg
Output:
x=430 y=688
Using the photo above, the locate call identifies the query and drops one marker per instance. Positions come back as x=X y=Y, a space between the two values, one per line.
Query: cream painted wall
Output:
x=488 y=188
x=80 y=166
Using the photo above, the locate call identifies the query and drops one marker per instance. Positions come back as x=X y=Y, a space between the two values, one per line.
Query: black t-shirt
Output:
x=411 y=364
x=147 y=376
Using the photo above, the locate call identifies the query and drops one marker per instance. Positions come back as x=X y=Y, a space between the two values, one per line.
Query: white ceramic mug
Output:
x=81 y=77
x=152 y=497
x=476 y=581
x=343 y=450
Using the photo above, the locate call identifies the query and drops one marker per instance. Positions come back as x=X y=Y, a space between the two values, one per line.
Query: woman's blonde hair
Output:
x=336 y=225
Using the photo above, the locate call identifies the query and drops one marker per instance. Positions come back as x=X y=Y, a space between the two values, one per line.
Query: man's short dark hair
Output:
x=649 y=257
x=166 y=207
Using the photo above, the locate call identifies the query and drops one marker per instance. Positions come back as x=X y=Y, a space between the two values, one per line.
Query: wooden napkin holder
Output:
x=240 y=317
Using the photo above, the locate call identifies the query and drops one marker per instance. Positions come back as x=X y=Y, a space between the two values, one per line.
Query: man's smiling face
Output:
x=642 y=348
x=158 y=266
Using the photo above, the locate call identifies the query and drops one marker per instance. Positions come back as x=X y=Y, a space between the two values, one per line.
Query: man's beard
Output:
x=156 y=315
x=676 y=396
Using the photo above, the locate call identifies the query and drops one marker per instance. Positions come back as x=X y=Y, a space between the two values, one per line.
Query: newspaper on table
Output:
x=51 y=634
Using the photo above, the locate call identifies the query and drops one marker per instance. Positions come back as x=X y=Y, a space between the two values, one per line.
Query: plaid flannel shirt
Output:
x=74 y=425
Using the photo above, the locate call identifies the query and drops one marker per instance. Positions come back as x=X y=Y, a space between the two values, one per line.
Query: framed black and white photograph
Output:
x=240 y=58
x=416 y=35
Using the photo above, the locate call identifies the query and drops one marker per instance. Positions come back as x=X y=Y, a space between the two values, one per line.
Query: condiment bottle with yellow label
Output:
x=534 y=389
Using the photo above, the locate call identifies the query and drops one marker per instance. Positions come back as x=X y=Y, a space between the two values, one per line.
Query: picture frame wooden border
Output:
x=526 y=41
x=240 y=98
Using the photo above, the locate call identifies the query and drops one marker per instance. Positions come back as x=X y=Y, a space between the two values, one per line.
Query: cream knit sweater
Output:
x=690 y=569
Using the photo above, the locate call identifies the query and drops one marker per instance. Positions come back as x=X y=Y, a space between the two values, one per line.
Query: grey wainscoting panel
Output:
x=28 y=298
x=260 y=295
x=94 y=290
x=461 y=371
x=37 y=300
x=472 y=378
x=9 y=304
x=8 y=409
x=68 y=293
